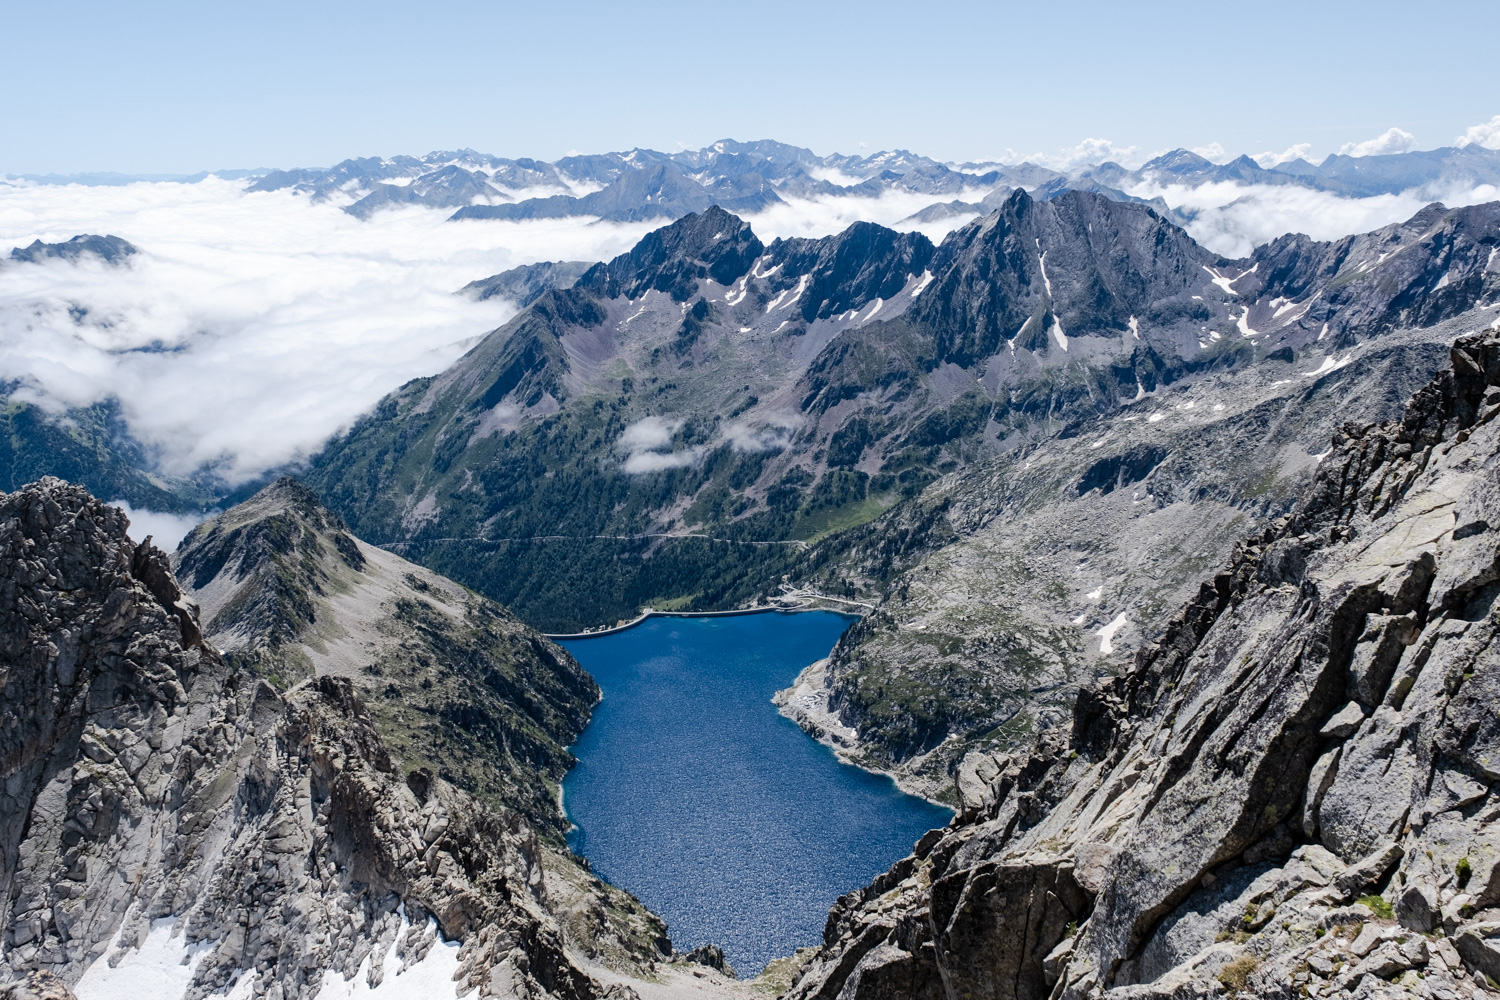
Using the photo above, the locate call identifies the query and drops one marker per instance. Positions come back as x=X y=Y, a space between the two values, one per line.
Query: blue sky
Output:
x=180 y=87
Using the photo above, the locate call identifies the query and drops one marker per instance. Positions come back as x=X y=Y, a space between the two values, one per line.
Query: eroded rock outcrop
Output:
x=1289 y=793
x=152 y=792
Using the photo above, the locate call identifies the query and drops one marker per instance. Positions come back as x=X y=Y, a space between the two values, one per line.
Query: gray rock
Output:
x=1417 y=907
x=1192 y=761
x=142 y=777
x=1343 y=724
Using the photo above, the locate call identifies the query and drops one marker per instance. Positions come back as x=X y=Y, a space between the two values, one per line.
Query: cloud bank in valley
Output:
x=251 y=326
x=1233 y=219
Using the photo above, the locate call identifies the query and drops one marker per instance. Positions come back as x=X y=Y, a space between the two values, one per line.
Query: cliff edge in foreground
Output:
x=1290 y=792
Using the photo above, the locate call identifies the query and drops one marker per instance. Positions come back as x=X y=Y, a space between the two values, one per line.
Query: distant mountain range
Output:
x=749 y=177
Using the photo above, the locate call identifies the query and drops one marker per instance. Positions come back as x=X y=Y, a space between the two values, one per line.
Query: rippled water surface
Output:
x=692 y=791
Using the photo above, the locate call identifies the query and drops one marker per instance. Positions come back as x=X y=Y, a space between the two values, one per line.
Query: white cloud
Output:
x=1486 y=134
x=834 y=213
x=1268 y=159
x=648 y=444
x=166 y=530
x=1392 y=140
x=1089 y=151
x=1232 y=219
x=649 y=434
x=1213 y=151
x=655 y=461
x=770 y=434
x=251 y=326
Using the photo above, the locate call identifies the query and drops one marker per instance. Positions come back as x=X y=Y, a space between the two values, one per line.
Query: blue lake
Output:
x=695 y=794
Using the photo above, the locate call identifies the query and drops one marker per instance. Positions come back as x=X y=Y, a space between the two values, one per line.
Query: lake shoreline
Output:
x=685 y=793
x=763 y=609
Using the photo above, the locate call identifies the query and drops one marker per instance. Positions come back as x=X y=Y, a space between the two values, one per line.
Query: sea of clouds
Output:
x=252 y=326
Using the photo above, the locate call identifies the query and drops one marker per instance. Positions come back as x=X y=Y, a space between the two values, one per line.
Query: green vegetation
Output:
x=1236 y=975
x=1379 y=906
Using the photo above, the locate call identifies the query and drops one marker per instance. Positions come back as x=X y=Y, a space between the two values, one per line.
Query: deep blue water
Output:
x=695 y=794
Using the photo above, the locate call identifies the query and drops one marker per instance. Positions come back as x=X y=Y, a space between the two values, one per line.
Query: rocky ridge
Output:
x=1289 y=793
x=158 y=800
x=109 y=249
x=454 y=682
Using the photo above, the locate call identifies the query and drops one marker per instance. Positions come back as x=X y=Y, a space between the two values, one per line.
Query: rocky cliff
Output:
x=172 y=825
x=1290 y=791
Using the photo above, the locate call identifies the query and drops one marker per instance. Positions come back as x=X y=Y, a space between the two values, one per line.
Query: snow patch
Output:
x=429 y=979
x=1058 y=334
x=1330 y=364
x=736 y=295
x=1220 y=280
x=1107 y=634
x=1135 y=328
x=161 y=968
x=1244 y=324
x=1042 y=260
x=1095 y=594
x=922 y=284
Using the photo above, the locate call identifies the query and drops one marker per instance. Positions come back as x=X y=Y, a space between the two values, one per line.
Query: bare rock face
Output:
x=151 y=793
x=1288 y=794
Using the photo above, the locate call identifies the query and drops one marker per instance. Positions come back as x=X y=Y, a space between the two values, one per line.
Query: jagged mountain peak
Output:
x=1291 y=787
x=711 y=244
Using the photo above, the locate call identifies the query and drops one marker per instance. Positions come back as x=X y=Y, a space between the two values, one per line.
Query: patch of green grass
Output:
x=1379 y=906
x=812 y=528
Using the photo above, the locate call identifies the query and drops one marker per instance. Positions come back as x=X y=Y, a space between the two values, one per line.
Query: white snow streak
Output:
x=1058 y=334
x=1330 y=364
x=922 y=284
x=1107 y=634
x=1220 y=280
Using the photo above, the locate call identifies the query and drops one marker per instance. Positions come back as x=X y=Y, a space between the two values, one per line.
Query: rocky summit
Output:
x=1288 y=793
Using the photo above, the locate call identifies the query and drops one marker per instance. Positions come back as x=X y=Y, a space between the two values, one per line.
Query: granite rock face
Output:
x=1290 y=791
x=149 y=787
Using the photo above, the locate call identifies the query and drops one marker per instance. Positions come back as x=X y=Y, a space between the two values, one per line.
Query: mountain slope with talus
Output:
x=1288 y=793
x=174 y=826
x=453 y=681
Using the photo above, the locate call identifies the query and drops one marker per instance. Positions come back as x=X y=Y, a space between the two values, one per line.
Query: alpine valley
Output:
x=1176 y=575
